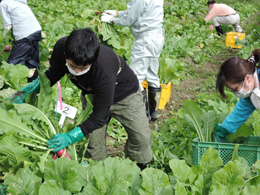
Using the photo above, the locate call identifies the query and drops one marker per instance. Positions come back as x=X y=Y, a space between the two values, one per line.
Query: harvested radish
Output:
x=61 y=152
x=7 y=48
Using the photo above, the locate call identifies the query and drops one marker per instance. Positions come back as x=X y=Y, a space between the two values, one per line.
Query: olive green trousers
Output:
x=130 y=112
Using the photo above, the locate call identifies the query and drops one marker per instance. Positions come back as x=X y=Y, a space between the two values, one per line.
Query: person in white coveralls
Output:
x=145 y=19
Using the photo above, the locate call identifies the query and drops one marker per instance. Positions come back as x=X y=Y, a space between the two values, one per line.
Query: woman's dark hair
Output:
x=235 y=69
x=211 y=2
x=82 y=47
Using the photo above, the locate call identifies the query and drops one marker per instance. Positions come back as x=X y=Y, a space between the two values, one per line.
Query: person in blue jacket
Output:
x=145 y=19
x=16 y=14
x=241 y=76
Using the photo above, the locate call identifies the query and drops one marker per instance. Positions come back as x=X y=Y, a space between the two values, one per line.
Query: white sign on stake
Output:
x=67 y=111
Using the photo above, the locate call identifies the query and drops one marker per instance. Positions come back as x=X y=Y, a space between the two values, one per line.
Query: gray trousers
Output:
x=230 y=19
x=145 y=54
x=130 y=112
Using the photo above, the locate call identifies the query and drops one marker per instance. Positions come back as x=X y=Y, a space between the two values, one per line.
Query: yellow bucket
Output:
x=165 y=93
x=231 y=39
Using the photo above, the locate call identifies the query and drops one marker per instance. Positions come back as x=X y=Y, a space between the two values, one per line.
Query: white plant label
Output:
x=67 y=111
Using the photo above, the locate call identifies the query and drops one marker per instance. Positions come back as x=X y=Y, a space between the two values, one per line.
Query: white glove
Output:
x=112 y=12
x=7 y=28
x=107 y=18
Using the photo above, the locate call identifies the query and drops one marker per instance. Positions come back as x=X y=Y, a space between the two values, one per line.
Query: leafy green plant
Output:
x=171 y=140
x=13 y=76
x=256 y=123
x=243 y=132
x=25 y=181
x=26 y=120
x=116 y=130
x=111 y=176
x=13 y=155
x=210 y=178
x=155 y=182
x=203 y=122
x=170 y=70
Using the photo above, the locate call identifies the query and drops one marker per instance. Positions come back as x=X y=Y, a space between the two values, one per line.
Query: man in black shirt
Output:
x=98 y=70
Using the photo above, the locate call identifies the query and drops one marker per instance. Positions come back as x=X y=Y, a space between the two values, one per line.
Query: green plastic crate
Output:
x=3 y=190
x=250 y=150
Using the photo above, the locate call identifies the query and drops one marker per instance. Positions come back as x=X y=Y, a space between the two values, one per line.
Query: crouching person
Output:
x=98 y=70
x=223 y=14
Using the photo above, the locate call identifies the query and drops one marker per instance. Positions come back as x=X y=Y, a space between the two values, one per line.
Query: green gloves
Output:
x=19 y=97
x=220 y=134
x=62 y=140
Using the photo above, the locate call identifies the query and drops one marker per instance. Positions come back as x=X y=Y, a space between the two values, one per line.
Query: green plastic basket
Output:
x=3 y=190
x=250 y=150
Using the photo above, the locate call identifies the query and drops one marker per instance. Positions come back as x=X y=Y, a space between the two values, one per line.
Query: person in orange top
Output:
x=222 y=14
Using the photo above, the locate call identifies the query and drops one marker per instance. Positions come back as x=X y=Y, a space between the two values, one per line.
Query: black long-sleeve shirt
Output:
x=110 y=80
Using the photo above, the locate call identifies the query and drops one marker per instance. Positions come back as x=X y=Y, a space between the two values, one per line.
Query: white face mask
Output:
x=242 y=94
x=255 y=97
x=77 y=74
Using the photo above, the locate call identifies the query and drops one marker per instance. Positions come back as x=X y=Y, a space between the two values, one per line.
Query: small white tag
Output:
x=67 y=111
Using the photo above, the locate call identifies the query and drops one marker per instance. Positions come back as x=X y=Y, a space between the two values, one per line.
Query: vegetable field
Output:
x=190 y=60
